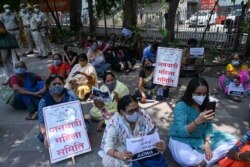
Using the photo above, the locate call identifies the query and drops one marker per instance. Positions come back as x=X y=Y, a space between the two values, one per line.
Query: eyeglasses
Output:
x=130 y=112
x=57 y=83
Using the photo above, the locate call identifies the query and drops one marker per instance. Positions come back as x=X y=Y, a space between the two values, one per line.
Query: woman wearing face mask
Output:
x=28 y=89
x=58 y=67
x=97 y=59
x=70 y=56
x=129 y=122
x=102 y=111
x=193 y=142
x=56 y=94
x=146 y=87
x=82 y=78
x=234 y=70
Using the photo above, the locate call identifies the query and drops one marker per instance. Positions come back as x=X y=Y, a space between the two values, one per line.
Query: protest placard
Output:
x=101 y=96
x=196 y=52
x=126 y=32
x=66 y=131
x=235 y=90
x=167 y=66
x=143 y=147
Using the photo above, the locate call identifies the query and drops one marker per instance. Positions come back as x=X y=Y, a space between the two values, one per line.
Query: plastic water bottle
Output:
x=242 y=141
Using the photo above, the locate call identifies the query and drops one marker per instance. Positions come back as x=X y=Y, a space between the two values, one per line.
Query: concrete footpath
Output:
x=19 y=146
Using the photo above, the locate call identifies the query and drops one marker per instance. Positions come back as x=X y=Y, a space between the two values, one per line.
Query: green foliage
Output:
x=245 y=26
x=106 y=6
x=136 y=29
x=165 y=34
x=14 y=5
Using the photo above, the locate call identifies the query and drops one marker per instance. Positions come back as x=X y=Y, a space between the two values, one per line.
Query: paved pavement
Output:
x=19 y=146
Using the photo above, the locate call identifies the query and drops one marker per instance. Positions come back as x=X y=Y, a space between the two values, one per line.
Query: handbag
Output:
x=156 y=160
x=7 y=95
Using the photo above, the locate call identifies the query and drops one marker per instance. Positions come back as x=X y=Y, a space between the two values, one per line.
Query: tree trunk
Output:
x=75 y=14
x=247 y=46
x=130 y=13
x=170 y=18
x=58 y=25
x=91 y=17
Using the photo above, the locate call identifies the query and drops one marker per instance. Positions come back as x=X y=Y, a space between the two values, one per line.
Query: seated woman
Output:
x=102 y=111
x=82 y=78
x=191 y=66
x=97 y=59
x=70 y=57
x=58 y=67
x=235 y=72
x=28 y=88
x=129 y=122
x=56 y=94
x=146 y=88
x=239 y=155
x=191 y=132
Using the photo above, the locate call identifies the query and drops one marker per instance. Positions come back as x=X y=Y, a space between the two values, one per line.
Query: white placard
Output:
x=235 y=90
x=196 y=52
x=143 y=147
x=126 y=32
x=66 y=131
x=167 y=66
x=97 y=61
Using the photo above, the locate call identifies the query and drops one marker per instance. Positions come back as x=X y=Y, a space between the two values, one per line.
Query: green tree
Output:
x=91 y=17
x=75 y=14
x=130 y=11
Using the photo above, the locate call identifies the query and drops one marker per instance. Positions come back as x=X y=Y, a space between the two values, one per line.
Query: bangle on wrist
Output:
x=237 y=156
x=195 y=123
x=113 y=154
x=209 y=141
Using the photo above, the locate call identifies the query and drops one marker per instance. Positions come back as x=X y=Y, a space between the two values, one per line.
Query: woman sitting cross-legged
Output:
x=55 y=94
x=28 y=88
x=82 y=78
x=129 y=122
x=193 y=142
x=103 y=111
x=146 y=88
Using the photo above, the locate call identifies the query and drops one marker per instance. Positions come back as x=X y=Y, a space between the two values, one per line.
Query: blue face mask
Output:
x=57 y=62
x=111 y=86
x=20 y=70
x=133 y=117
x=56 y=89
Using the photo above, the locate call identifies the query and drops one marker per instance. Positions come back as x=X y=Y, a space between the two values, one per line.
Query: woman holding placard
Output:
x=128 y=123
x=146 y=88
x=238 y=74
x=56 y=94
x=193 y=142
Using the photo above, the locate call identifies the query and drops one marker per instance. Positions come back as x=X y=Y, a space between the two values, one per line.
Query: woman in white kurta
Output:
x=82 y=78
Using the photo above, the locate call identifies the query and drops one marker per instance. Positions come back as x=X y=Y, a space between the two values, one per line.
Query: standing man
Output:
x=41 y=17
x=35 y=26
x=11 y=23
x=25 y=14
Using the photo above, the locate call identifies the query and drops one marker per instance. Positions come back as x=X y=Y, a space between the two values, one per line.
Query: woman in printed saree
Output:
x=129 y=122
x=58 y=67
x=82 y=78
x=28 y=88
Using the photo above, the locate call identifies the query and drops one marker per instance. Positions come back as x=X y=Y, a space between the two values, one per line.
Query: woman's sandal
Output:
x=33 y=116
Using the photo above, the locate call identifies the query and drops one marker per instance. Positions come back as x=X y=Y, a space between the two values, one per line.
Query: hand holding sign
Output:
x=126 y=155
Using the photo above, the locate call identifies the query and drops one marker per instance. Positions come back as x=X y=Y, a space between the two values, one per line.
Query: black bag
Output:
x=8 y=41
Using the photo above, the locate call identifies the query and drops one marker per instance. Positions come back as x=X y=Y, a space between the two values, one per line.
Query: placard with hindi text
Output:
x=66 y=131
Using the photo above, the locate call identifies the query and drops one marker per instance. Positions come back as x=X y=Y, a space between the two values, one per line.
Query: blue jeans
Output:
x=102 y=68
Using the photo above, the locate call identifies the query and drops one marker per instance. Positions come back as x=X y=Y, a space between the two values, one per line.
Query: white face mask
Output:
x=198 y=99
x=132 y=118
x=36 y=10
x=7 y=11
x=235 y=62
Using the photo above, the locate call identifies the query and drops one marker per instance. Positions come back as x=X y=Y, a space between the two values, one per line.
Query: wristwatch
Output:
x=209 y=141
